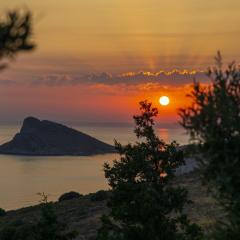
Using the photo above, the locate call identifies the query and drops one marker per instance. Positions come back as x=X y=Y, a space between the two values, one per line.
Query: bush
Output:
x=69 y=196
x=18 y=230
x=99 y=196
x=2 y=212
x=49 y=227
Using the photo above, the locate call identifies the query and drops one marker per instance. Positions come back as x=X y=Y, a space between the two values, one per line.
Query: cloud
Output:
x=7 y=82
x=175 y=78
x=53 y=80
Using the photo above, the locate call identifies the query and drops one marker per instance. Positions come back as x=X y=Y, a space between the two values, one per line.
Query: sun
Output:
x=164 y=100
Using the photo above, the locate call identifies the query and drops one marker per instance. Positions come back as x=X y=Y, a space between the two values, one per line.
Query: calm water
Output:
x=21 y=177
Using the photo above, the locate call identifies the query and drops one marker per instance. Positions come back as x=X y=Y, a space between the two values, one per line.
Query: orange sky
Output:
x=86 y=47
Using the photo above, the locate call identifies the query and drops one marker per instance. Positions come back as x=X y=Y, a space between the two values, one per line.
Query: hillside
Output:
x=83 y=215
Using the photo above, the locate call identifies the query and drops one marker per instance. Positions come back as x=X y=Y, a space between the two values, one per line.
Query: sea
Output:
x=22 y=178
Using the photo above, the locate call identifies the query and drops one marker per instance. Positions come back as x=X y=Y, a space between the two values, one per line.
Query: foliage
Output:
x=15 y=35
x=69 y=196
x=100 y=196
x=213 y=121
x=18 y=230
x=2 y=212
x=144 y=202
x=48 y=227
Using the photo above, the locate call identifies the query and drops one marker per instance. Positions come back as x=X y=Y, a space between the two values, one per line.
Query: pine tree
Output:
x=144 y=203
x=213 y=121
x=15 y=35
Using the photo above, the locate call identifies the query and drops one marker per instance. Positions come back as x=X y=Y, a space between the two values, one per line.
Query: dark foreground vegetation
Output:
x=15 y=36
x=83 y=215
x=145 y=203
x=213 y=122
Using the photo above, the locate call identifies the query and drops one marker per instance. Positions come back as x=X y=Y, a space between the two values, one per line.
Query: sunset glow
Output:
x=89 y=67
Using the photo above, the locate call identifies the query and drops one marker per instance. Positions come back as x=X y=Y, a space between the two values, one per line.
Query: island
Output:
x=47 y=138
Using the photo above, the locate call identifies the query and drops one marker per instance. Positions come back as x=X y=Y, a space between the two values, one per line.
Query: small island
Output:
x=47 y=138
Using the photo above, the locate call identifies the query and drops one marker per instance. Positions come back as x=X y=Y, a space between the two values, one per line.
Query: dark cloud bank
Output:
x=164 y=78
x=175 y=78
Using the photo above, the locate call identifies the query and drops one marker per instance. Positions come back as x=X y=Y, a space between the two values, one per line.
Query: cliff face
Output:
x=49 y=138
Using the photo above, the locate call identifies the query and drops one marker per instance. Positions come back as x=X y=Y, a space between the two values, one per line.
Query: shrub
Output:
x=18 y=230
x=49 y=227
x=69 y=196
x=99 y=196
x=2 y=212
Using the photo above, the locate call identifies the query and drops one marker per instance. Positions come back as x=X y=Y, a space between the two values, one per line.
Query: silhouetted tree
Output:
x=15 y=35
x=213 y=121
x=144 y=202
x=49 y=228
